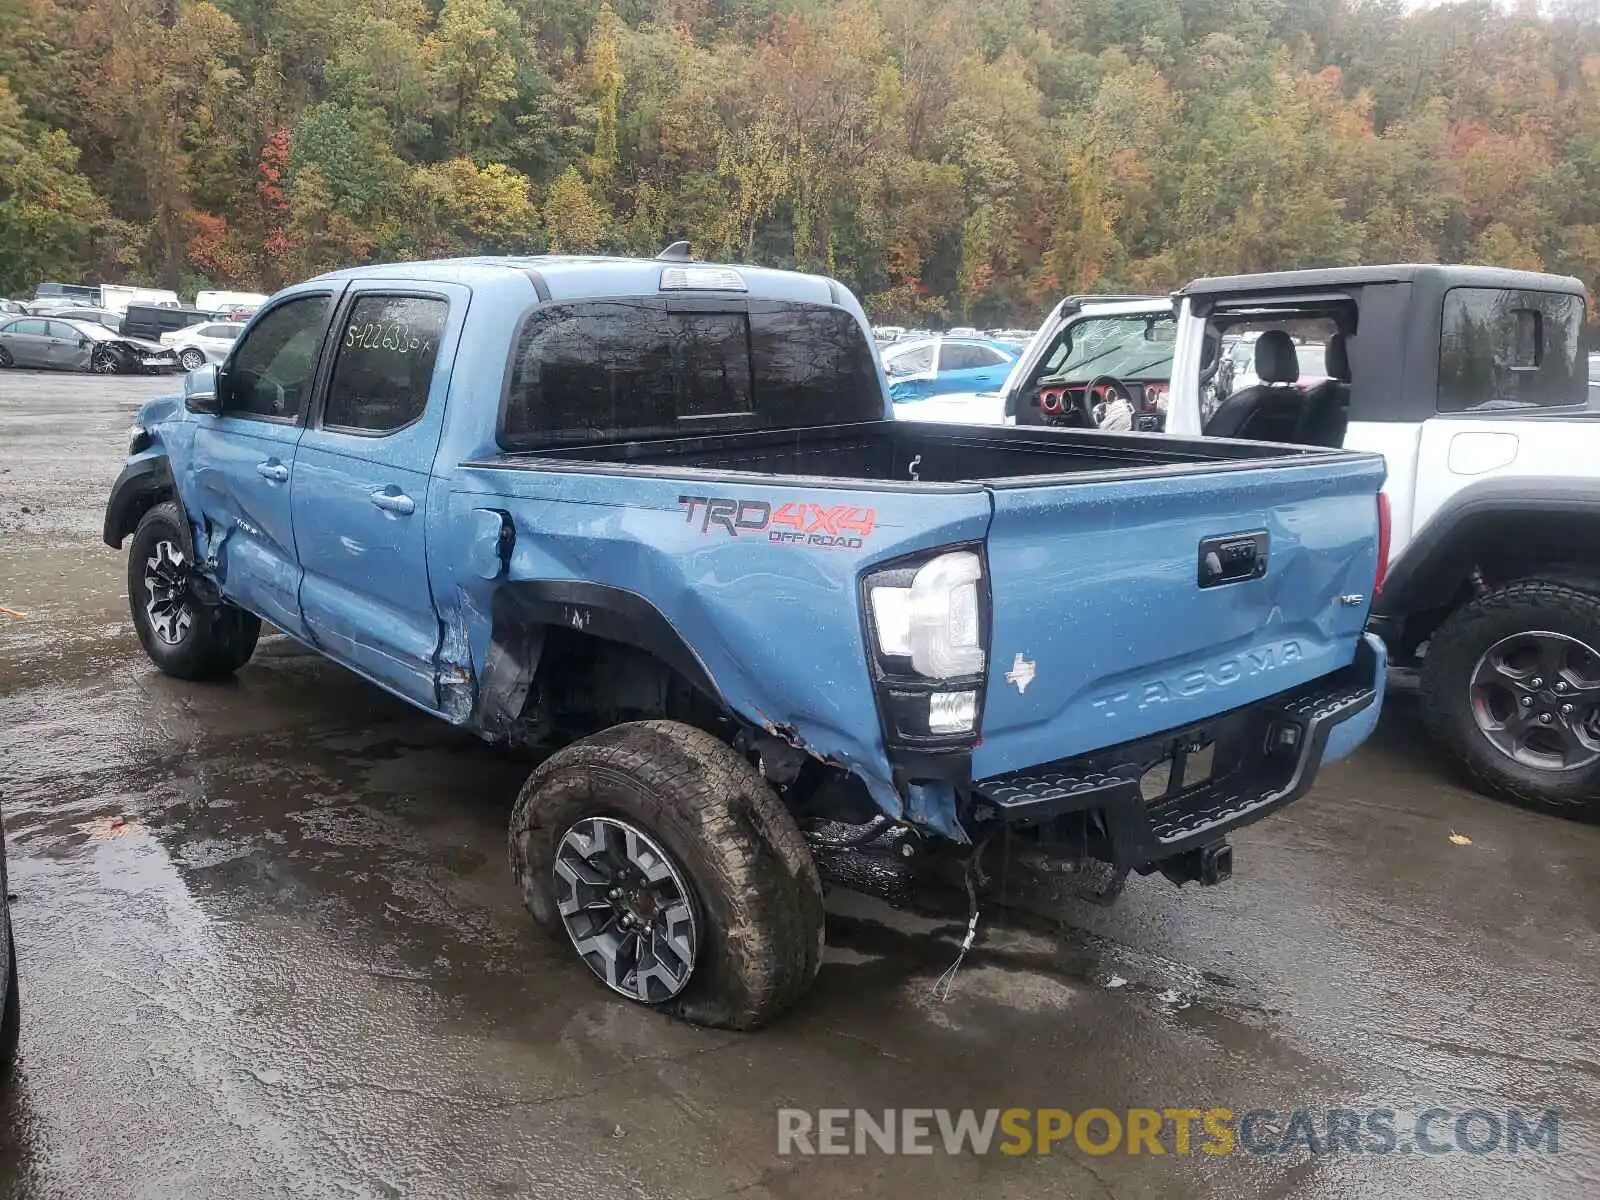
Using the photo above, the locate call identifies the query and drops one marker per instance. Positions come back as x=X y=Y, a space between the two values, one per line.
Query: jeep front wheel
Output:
x=1511 y=685
x=674 y=872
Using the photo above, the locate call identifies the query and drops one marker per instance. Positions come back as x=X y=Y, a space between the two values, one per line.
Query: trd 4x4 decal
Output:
x=825 y=526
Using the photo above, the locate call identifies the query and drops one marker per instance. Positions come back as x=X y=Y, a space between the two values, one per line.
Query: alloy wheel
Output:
x=103 y=362
x=166 y=583
x=192 y=360
x=1535 y=697
x=627 y=907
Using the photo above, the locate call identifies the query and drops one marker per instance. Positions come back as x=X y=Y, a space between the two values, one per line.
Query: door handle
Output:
x=274 y=470
x=395 y=502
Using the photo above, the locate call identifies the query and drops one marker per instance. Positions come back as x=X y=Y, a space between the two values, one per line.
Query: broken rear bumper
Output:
x=1264 y=756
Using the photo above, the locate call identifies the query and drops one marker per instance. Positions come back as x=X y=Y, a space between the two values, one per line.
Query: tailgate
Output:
x=1103 y=631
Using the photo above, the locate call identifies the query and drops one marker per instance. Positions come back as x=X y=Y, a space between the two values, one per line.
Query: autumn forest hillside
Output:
x=949 y=160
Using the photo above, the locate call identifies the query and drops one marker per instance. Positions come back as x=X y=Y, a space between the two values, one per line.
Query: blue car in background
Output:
x=937 y=366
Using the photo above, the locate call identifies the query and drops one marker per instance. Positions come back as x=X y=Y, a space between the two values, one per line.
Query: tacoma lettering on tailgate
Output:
x=1206 y=678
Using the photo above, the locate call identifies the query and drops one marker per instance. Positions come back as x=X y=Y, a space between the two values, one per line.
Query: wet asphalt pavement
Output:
x=269 y=947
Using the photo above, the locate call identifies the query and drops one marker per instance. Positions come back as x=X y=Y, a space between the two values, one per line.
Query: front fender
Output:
x=145 y=481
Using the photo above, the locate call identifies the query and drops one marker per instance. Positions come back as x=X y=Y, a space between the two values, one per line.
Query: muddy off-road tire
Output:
x=733 y=878
x=1511 y=686
x=183 y=635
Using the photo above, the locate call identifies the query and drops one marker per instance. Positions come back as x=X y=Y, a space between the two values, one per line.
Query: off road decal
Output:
x=822 y=526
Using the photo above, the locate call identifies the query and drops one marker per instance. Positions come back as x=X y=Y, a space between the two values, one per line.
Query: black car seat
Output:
x=1274 y=409
x=1328 y=404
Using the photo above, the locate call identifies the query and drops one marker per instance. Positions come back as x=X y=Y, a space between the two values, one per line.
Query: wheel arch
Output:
x=527 y=617
x=143 y=484
x=1499 y=530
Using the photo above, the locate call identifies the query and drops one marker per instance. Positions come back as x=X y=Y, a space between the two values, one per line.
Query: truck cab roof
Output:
x=588 y=277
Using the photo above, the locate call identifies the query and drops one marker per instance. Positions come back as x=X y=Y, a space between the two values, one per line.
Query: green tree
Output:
x=463 y=208
x=49 y=213
x=606 y=80
x=321 y=236
x=474 y=66
x=349 y=150
x=574 y=221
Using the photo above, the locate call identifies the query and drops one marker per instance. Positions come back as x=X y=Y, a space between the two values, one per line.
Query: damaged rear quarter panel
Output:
x=775 y=621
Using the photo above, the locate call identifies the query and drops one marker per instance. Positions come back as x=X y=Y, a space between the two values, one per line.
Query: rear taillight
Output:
x=1383 y=542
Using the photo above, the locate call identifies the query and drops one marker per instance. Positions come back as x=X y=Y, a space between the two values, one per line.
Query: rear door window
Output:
x=954 y=358
x=1503 y=348
x=384 y=369
x=617 y=370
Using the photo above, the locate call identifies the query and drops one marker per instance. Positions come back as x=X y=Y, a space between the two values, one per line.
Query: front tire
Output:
x=184 y=635
x=192 y=360
x=1511 y=686
x=103 y=362
x=674 y=871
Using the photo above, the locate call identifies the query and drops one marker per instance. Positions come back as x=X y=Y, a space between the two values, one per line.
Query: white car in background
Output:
x=200 y=344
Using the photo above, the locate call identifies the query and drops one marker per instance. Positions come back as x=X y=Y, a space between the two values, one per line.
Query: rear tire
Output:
x=185 y=636
x=753 y=888
x=5 y=358
x=1492 y=699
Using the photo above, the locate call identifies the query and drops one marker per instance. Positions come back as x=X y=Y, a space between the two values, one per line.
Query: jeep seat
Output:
x=1272 y=410
x=1327 y=412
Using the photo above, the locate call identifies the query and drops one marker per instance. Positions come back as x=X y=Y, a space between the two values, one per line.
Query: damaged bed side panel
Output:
x=750 y=591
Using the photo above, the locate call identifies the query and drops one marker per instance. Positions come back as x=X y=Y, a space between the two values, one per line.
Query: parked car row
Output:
x=65 y=345
x=147 y=313
x=890 y=335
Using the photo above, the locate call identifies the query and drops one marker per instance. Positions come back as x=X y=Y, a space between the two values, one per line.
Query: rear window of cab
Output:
x=619 y=370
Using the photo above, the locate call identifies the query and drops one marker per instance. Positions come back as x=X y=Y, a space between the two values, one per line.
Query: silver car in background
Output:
x=200 y=344
x=51 y=343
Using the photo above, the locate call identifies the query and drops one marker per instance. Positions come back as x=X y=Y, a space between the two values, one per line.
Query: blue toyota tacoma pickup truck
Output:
x=657 y=515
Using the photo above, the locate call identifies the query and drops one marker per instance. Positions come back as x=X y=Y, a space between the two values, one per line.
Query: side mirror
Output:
x=202 y=392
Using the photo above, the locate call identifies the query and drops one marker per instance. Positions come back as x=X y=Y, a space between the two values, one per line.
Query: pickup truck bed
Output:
x=1094 y=544
x=903 y=452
